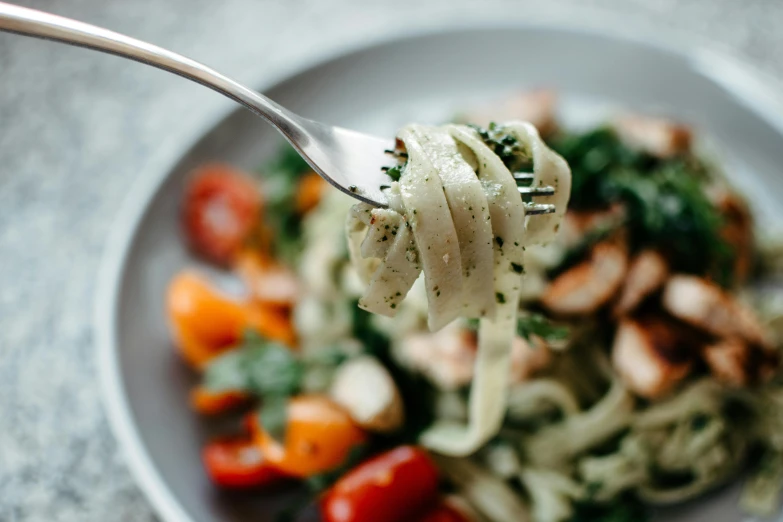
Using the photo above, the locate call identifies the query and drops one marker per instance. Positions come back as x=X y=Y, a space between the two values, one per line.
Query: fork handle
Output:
x=38 y=24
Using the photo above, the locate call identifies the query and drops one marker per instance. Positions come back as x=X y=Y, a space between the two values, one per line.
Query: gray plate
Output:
x=378 y=88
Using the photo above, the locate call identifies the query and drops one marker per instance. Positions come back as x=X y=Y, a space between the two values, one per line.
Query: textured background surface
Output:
x=77 y=128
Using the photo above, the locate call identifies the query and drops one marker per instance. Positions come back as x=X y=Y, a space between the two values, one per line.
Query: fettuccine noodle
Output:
x=456 y=215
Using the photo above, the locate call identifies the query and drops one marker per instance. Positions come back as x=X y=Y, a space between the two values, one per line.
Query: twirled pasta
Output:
x=457 y=216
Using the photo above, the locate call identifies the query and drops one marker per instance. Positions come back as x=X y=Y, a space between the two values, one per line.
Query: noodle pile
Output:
x=457 y=217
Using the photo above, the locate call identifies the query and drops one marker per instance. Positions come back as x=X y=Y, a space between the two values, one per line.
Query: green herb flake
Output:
x=538 y=325
x=395 y=172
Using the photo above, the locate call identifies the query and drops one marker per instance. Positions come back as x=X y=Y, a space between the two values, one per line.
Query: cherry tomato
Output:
x=207 y=402
x=221 y=209
x=392 y=487
x=205 y=323
x=443 y=511
x=238 y=463
x=319 y=436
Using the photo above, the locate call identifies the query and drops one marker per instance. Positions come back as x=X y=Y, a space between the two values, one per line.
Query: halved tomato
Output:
x=238 y=463
x=222 y=207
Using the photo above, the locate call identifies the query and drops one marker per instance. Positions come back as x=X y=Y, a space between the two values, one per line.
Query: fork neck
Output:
x=38 y=24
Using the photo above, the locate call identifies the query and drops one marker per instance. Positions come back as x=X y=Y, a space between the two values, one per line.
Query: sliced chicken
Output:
x=646 y=274
x=650 y=356
x=737 y=230
x=578 y=223
x=528 y=357
x=536 y=106
x=268 y=281
x=589 y=285
x=729 y=361
x=445 y=357
x=365 y=389
x=659 y=137
x=707 y=306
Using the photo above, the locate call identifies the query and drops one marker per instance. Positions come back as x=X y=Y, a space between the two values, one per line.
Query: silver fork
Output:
x=351 y=161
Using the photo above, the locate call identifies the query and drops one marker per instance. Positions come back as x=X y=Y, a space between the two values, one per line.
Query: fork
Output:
x=351 y=161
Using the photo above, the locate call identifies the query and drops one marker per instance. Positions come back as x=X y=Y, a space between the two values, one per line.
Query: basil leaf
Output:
x=274 y=416
x=256 y=367
x=273 y=370
x=227 y=373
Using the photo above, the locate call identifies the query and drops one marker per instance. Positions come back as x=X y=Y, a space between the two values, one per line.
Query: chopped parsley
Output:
x=513 y=154
x=395 y=172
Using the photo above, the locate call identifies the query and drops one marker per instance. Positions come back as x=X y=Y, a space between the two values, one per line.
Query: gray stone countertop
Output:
x=77 y=129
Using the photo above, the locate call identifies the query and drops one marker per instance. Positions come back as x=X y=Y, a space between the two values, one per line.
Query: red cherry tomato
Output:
x=238 y=463
x=443 y=511
x=222 y=208
x=392 y=487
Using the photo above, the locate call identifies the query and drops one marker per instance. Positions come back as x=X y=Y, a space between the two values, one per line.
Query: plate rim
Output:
x=745 y=82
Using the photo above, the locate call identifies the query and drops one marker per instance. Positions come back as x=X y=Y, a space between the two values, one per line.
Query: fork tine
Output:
x=524 y=176
x=538 y=191
x=535 y=209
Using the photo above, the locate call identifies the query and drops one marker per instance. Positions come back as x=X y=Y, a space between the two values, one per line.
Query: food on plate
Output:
x=456 y=217
x=632 y=362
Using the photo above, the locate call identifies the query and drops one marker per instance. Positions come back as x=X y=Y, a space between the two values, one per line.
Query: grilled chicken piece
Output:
x=536 y=106
x=589 y=285
x=705 y=305
x=528 y=357
x=651 y=356
x=269 y=282
x=647 y=273
x=737 y=230
x=365 y=389
x=578 y=223
x=447 y=357
x=659 y=137
x=729 y=361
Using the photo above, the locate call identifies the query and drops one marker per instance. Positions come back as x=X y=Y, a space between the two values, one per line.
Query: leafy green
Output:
x=281 y=177
x=264 y=369
x=664 y=199
x=256 y=366
x=623 y=509
x=537 y=324
x=513 y=154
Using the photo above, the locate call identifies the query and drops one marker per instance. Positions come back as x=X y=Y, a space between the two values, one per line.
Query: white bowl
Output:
x=378 y=88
